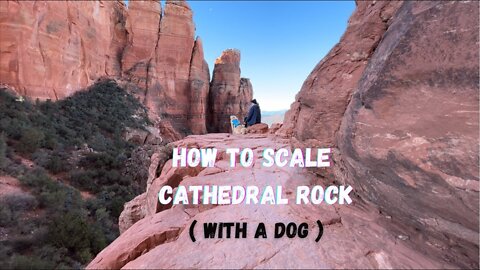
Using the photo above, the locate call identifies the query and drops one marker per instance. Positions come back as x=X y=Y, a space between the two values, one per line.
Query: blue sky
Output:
x=280 y=41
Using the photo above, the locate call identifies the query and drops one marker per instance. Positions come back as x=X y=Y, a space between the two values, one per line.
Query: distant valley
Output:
x=270 y=117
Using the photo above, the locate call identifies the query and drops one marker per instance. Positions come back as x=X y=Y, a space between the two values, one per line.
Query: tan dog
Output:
x=236 y=127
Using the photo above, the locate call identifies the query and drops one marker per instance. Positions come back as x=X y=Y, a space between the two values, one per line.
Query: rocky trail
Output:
x=354 y=235
x=397 y=101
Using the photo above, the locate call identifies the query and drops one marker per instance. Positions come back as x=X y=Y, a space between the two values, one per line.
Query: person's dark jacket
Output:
x=253 y=116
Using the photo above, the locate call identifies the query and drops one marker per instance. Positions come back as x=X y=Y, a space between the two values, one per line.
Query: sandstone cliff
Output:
x=229 y=94
x=408 y=141
x=49 y=50
x=397 y=98
x=319 y=106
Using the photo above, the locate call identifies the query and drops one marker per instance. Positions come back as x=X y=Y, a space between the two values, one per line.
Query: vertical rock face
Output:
x=49 y=50
x=229 y=94
x=319 y=106
x=164 y=60
x=199 y=87
x=409 y=139
x=399 y=98
x=52 y=49
x=142 y=26
x=168 y=86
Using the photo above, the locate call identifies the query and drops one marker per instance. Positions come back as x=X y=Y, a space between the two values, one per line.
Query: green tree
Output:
x=3 y=151
x=30 y=140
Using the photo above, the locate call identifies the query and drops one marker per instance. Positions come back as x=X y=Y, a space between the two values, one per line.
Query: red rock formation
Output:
x=399 y=96
x=165 y=61
x=274 y=128
x=319 y=106
x=229 y=94
x=409 y=138
x=64 y=46
x=199 y=87
x=133 y=211
x=167 y=93
x=161 y=239
x=52 y=49
x=260 y=128
x=406 y=128
x=142 y=27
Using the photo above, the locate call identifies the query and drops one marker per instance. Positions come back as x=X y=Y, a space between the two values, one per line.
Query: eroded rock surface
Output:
x=409 y=138
x=50 y=50
x=398 y=98
x=316 y=114
x=161 y=240
x=260 y=128
x=229 y=94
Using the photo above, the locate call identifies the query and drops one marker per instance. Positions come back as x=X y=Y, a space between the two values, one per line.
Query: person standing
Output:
x=254 y=114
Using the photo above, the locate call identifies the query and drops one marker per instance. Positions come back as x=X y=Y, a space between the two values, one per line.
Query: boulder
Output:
x=260 y=128
x=274 y=128
x=133 y=211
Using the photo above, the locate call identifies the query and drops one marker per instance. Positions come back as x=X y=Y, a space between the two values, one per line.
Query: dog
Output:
x=237 y=128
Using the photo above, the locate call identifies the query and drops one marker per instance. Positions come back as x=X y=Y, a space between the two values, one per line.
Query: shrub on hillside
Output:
x=3 y=151
x=30 y=262
x=85 y=132
x=30 y=140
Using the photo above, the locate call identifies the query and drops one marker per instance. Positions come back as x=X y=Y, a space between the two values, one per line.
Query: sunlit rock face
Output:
x=161 y=238
x=49 y=50
x=409 y=137
x=319 y=106
x=398 y=99
x=229 y=93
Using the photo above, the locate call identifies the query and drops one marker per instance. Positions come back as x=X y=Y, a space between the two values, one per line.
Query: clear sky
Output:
x=280 y=41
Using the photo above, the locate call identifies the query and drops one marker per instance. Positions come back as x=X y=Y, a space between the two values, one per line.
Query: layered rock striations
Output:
x=409 y=138
x=199 y=79
x=229 y=93
x=168 y=86
x=398 y=98
x=161 y=239
x=49 y=50
x=319 y=106
x=142 y=29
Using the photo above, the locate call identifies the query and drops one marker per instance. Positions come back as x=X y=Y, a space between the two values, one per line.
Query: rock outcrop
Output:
x=260 y=128
x=229 y=93
x=316 y=114
x=398 y=97
x=199 y=88
x=142 y=27
x=409 y=138
x=168 y=86
x=161 y=239
x=49 y=50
